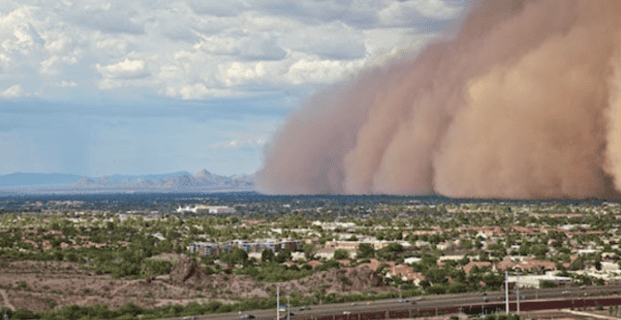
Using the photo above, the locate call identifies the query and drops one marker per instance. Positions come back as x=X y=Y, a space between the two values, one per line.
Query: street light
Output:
x=507 y=291
x=517 y=288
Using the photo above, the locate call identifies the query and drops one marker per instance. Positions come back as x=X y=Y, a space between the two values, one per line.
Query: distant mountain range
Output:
x=181 y=180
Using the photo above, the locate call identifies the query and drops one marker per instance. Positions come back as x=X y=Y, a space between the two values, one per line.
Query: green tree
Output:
x=365 y=251
x=341 y=254
x=267 y=255
x=308 y=249
x=283 y=255
x=598 y=262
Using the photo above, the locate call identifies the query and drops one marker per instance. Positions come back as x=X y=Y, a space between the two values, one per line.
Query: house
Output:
x=325 y=253
x=456 y=257
x=314 y=263
x=535 y=265
x=202 y=207
x=478 y=264
x=351 y=245
x=504 y=265
x=609 y=266
x=412 y=260
x=298 y=256
x=374 y=264
x=46 y=245
x=406 y=273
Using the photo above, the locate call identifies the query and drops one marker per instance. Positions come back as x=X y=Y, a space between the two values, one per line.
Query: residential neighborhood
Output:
x=331 y=249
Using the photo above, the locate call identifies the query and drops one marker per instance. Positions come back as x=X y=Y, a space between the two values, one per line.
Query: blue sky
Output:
x=98 y=87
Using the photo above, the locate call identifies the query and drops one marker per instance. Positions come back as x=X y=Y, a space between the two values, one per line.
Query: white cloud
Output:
x=245 y=73
x=242 y=143
x=111 y=46
x=65 y=84
x=190 y=49
x=17 y=34
x=126 y=69
x=321 y=71
x=12 y=92
x=196 y=91
x=402 y=12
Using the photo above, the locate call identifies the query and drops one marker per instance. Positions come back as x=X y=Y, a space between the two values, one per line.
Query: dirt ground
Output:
x=44 y=285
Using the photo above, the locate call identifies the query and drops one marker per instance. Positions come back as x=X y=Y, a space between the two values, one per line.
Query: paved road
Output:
x=428 y=302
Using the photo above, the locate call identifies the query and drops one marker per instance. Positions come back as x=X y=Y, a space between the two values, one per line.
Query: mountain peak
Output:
x=203 y=174
x=85 y=182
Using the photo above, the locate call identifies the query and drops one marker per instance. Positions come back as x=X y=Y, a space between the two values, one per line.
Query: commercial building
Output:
x=205 y=208
x=204 y=248
x=535 y=281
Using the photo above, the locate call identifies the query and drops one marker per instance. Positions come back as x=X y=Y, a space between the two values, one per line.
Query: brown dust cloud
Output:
x=523 y=102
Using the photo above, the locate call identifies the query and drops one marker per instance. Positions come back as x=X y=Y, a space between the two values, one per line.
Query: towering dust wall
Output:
x=524 y=102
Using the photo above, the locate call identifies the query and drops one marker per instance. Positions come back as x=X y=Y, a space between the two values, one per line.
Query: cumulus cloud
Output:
x=195 y=92
x=17 y=33
x=201 y=49
x=12 y=92
x=321 y=71
x=400 y=12
x=126 y=69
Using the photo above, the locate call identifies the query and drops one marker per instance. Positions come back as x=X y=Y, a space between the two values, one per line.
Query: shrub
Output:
x=22 y=313
x=51 y=303
x=341 y=254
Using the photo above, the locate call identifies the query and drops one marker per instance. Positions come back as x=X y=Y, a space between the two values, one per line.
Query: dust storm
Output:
x=524 y=101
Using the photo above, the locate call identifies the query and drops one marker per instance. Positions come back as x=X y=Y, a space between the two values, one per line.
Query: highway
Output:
x=427 y=303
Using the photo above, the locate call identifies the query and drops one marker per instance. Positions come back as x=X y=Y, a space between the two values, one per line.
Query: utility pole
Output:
x=278 y=302
x=517 y=286
x=288 y=303
x=507 y=290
